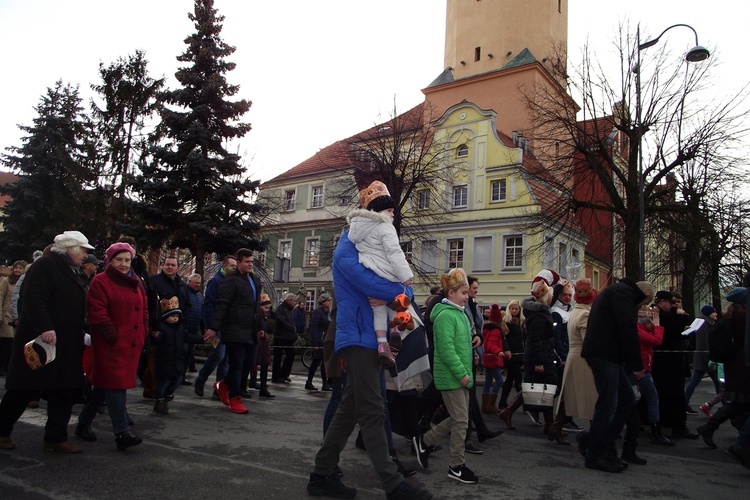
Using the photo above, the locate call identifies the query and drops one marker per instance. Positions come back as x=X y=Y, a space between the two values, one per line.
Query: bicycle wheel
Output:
x=307 y=356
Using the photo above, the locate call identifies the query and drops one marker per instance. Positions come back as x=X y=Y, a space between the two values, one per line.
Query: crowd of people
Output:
x=609 y=359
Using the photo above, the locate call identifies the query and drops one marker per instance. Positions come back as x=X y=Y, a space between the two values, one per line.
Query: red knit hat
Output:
x=496 y=315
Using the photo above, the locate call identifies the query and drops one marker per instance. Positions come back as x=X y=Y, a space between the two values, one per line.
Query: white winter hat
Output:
x=71 y=239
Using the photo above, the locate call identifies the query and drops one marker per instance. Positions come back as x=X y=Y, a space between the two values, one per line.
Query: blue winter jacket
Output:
x=352 y=284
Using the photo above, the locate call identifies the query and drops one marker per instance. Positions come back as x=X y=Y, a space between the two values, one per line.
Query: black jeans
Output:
x=59 y=409
x=613 y=406
x=282 y=347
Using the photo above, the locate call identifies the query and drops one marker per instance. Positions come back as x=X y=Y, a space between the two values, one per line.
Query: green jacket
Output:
x=453 y=352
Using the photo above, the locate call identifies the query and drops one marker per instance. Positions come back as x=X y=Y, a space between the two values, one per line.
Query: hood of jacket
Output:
x=362 y=222
x=530 y=304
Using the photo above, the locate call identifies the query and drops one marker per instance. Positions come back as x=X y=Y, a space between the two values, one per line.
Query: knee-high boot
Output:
x=507 y=413
x=555 y=431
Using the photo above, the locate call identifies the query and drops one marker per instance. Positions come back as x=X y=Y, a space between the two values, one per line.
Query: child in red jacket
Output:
x=493 y=331
x=650 y=335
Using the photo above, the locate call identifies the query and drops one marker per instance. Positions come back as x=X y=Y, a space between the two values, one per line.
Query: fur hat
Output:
x=708 y=310
x=738 y=295
x=376 y=197
x=71 y=239
x=584 y=292
x=116 y=248
x=169 y=306
x=542 y=281
x=454 y=279
x=496 y=315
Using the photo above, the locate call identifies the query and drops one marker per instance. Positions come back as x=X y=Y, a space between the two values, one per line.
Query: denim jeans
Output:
x=166 y=386
x=696 y=379
x=489 y=375
x=648 y=391
x=613 y=406
x=216 y=360
x=116 y=406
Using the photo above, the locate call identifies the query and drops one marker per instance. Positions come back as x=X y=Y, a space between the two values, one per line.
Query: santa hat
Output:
x=376 y=197
x=542 y=281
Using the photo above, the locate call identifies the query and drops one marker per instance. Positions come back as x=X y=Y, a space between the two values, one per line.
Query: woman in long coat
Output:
x=53 y=307
x=578 y=388
x=319 y=321
x=118 y=315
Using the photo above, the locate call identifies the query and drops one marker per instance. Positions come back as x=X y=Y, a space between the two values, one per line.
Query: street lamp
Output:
x=696 y=54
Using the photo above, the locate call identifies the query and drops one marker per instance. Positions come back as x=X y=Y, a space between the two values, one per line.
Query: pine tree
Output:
x=56 y=176
x=129 y=97
x=194 y=193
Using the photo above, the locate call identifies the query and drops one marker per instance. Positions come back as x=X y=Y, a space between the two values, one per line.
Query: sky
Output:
x=316 y=71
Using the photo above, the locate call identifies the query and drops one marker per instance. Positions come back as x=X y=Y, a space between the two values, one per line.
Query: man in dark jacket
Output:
x=669 y=366
x=610 y=345
x=283 y=339
x=237 y=315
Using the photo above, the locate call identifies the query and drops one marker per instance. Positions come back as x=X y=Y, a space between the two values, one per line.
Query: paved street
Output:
x=201 y=450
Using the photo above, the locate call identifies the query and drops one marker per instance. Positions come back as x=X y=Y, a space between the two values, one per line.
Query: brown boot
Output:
x=485 y=403
x=492 y=405
x=555 y=432
x=506 y=414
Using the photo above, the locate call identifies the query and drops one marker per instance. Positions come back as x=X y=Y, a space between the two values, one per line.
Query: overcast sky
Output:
x=316 y=71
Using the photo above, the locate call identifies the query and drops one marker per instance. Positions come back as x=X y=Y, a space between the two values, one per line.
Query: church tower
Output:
x=484 y=35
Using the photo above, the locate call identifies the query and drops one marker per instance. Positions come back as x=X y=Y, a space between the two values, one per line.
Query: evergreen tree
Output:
x=56 y=179
x=129 y=98
x=194 y=193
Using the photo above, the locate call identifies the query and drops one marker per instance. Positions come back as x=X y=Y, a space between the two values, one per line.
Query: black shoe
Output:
x=401 y=469
x=421 y=450
x=245 y=394
x=126 y=440
x=326 y=388
x=583 y=442
x=338 y=472
x=198 y=389
x=287 y=380
x=186 y=382
x=470 y=447
x=463 y=474
x=169 y=397
x=161 y=407
x=488 y=434
x=329 y=486
x=407 y=491
x=572 y=427
x=605 y=464
x=84 y=432
x=661 y=439
x=632 y=458
x=685 y=434
x=264 y=394
x=688 y=409
x=359 y=442
x=707 y=435
x=215 y=396
x=310 y=387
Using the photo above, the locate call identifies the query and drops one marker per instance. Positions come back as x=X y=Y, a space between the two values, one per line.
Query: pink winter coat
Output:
x=118 y=315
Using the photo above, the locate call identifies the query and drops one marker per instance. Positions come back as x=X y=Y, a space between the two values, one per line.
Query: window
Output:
x=317 y=197
x=477 y=53
x=260 y=259
x=312 y=252
x=460 y=196
x=499 y=190
x=423 y=199
x=455 y=253
x=482 y=258
x=595 y=281
x=429 y=256
x=513 y=252
x=549 y=253
x=462 y=151
x=408 y=249
x=285 y=249
x=310 y=304
x=290 y=199
x=562 y=256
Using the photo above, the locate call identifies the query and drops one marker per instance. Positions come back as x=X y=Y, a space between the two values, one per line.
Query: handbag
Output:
x=538 y=396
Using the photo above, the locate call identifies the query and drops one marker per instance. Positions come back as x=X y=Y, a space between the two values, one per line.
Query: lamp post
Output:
x=696 y=54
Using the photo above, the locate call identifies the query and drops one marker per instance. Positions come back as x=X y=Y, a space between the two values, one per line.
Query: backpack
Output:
x=721 y=346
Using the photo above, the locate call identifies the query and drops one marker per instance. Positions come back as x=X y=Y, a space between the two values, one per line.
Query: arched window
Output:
x=462 y=151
